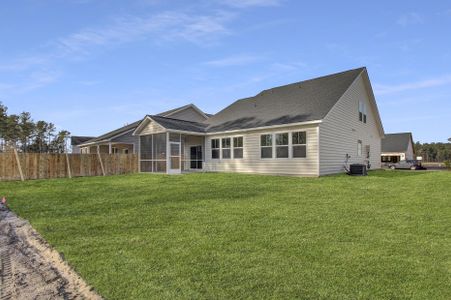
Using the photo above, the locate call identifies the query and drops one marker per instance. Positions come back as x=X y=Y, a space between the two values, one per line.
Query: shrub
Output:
x=447 y=164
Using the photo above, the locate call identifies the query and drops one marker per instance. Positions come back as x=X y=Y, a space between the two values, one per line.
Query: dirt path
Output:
x=31 y=269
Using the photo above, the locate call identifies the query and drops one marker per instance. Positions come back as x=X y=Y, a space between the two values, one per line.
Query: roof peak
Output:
x=310 y=79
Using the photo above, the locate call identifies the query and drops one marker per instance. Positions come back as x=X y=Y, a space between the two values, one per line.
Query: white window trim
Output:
x=290 y=145
x=233 y=146
x=294 y=145
x=220 y=150
x=272 y=146
x=230 y=148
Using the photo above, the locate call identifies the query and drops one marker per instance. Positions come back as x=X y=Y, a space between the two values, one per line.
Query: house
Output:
x=308 y=128
x=397 y=147
x=75 y=142
x=123 y=141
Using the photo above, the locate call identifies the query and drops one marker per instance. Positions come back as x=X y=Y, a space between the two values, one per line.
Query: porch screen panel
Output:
x=159 y=152
x=159 y=146
x=146 y=147
x=153 y=153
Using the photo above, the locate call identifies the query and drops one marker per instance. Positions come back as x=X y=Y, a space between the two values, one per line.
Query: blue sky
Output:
x=91 y=66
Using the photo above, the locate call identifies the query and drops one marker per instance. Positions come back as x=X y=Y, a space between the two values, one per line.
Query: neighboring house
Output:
x=123 y=141
x=306 y=128
x=75 y=142
x=397 y=147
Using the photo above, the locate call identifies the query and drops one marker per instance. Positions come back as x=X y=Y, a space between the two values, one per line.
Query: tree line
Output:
x=434 y=152
x=24 y=134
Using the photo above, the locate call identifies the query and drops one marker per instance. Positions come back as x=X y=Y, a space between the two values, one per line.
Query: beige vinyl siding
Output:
x=341 y=129
x=251 y=161
x=151 y=127
x=188 y=114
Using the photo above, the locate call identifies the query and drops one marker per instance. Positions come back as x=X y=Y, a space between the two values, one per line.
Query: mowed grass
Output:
x=231 y=236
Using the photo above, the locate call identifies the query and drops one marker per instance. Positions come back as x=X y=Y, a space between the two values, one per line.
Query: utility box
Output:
x=358 y=170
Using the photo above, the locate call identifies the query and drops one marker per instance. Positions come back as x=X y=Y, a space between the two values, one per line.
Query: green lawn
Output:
x=231 y=236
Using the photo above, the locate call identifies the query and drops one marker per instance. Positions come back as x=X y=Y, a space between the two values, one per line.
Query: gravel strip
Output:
x=31 y=269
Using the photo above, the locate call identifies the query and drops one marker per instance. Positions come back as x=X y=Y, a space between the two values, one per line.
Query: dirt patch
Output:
x=31 y=269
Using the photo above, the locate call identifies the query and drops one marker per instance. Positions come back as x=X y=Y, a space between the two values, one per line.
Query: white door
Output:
x=174 y=158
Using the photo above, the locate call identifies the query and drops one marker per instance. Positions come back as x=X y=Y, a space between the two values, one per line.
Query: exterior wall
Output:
x=341 y=129
x=409 y=154
x=128 y=138
x=188 y=114
x=151 y=128
x=76 y=149
x=252 y=161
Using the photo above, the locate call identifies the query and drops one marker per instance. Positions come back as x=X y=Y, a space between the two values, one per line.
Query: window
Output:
x=238 y=147
x=362 y=112
x=215 y=148
x=282 y=145
x=225 y=142
x=299 y=144
x=359 y=148
x=266 y=145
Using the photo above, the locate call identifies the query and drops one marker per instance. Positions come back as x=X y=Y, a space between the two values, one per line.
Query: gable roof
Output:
x=303 y=101
x=77 y=140
x=168 y=113
x=122 y=130
x=396 y=142
x=180 y=125
x=109 y=135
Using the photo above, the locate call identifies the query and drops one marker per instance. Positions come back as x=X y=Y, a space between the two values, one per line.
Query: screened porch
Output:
x=171 y=153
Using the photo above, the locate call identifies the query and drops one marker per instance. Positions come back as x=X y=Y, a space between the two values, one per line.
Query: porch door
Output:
x=196 y=157
x=174 y=158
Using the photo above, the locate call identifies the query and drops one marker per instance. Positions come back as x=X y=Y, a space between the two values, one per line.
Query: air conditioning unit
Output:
x=358 y=170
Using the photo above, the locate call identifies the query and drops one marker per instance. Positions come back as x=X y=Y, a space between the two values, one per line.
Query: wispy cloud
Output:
x=250 y=3
x=165 y=26
x=172 y=26
x=411 y=18
x=237 y=60
x=429 y=83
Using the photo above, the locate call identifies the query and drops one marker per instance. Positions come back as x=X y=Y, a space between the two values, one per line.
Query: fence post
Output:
x=100 y=159
x=18 y=164
x=69 y=173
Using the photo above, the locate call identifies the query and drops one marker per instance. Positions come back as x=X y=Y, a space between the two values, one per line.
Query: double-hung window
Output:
x=266 y=145
x=362 y=112
x=238 y=147
x=299 y=144
x=225 y=142
x=215 y=148
x=282 y=145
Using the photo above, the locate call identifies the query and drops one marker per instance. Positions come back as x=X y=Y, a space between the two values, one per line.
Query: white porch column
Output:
x=110 y=149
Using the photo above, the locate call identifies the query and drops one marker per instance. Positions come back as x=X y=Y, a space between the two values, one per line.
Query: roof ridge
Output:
x=307 y=80
x=179 y=120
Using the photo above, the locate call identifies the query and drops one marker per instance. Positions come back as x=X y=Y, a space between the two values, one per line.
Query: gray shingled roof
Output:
x=77 y=140
x=396 y=142
x=128 y=127
x=176 y=124
x=113 y=133
x=303 y=101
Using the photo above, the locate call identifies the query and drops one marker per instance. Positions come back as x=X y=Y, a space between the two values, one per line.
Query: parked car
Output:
x=407 y=164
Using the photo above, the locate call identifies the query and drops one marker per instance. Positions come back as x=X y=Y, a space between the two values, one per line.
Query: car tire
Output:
x=413 y=168
x=392 y=167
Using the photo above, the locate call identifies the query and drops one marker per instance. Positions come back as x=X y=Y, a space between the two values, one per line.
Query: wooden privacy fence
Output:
x=17 y=166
